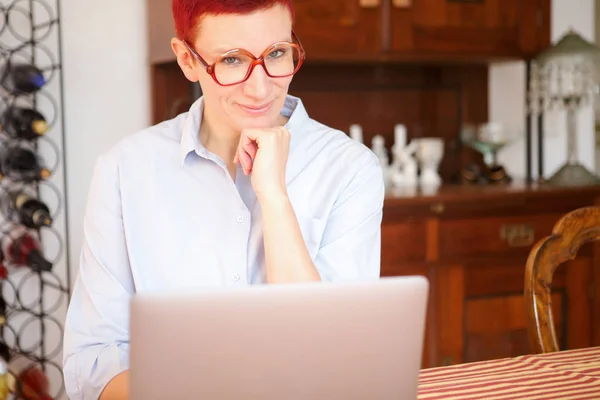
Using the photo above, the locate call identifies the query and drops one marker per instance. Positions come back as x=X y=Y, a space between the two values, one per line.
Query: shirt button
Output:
x=235 y=277
x=240 y=219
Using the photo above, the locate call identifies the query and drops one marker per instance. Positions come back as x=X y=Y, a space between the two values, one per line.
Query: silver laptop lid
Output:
x=296 y=341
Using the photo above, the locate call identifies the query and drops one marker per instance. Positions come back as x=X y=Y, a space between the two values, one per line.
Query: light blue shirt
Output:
x=163 y=213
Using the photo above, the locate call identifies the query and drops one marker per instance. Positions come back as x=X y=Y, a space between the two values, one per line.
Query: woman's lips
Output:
x=256 y=109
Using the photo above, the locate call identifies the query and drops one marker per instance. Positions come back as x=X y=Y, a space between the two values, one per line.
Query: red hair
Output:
x=187 y=13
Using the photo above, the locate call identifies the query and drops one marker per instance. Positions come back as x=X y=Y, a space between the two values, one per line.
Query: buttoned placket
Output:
x=241 y=218
x=235 y=266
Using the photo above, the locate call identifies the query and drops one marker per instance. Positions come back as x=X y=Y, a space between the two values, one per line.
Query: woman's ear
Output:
x=185 y=60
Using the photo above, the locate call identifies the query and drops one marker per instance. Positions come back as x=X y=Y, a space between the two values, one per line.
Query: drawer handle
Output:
x=369 y=3
x=438 y=208
x=347 y=21
x=402 y=3
x=518 y=235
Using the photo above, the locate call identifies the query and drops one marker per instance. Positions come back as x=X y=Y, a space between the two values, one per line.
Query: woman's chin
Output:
x=262 y=122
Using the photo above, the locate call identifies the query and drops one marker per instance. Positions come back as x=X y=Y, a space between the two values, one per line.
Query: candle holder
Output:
x=488 y=139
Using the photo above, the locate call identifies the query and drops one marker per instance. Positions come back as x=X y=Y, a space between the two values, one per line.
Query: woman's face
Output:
x=257 y=102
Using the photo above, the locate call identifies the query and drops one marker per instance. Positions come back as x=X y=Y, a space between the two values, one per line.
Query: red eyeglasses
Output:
x=235 y=66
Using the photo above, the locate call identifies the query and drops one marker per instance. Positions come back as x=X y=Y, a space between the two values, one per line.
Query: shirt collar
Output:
x=190 y=141
x=191 y=129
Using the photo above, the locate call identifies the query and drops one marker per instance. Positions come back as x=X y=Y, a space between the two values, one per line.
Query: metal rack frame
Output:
x=33 y=297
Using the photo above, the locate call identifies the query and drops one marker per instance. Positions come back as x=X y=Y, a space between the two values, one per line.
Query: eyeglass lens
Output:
x=233 y=66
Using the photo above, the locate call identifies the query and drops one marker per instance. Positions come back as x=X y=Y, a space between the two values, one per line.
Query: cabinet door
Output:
x=339 y=29
x=403 y=253
x=469 y=28
x=479 y=310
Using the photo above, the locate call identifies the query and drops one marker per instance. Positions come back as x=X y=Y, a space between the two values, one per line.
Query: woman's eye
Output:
x=276 y=53
x=229 y=60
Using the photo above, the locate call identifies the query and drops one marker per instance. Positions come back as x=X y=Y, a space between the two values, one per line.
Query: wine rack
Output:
x=35 y=287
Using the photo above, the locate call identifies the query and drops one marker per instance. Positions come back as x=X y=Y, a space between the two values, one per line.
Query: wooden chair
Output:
x=572 y=231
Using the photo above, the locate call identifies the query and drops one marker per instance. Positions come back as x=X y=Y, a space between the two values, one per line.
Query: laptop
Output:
x=306 y=341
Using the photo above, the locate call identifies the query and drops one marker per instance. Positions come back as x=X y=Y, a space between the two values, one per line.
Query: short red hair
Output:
x=187 y=13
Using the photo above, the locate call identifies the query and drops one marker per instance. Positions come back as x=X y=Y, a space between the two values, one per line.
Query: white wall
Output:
x=597 y=28
x=507 y=99
x=107 y=89
x=106 y=95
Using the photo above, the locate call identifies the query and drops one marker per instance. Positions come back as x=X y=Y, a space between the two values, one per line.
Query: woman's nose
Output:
x=258 y=83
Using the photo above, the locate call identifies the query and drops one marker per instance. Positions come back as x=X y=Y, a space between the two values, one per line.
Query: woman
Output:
x=243 y=189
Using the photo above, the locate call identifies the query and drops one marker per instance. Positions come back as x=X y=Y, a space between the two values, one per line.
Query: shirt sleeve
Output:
x=351 y=244
x=96 y=338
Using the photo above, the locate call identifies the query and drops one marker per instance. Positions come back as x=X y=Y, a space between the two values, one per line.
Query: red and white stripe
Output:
x=573 y=374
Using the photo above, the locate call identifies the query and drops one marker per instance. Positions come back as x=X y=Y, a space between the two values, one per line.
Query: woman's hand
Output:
x=264 y=154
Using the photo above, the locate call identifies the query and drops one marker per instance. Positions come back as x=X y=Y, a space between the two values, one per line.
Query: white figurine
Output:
x=398 y=147
x=399 y=135
x=405 y=173
x=378 y=147
x=430 y=153
x=356 y=132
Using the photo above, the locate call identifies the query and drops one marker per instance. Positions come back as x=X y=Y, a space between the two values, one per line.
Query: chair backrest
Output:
x=572 y=231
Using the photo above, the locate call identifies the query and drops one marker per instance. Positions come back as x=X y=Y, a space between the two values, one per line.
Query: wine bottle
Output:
x=20 y=78
x=24 y=123
x=3 y=270
x=2 y=312
x=33 y=213
x=31 y=382
x=3 y=380
x=4 y=351
x=21 y=164
x=21 y=247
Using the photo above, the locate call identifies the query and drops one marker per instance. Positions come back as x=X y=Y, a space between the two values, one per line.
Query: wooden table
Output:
x=565 y=375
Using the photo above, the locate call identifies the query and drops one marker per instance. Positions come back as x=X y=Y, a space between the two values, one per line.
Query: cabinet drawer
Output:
x=403 y=242
x=493 y=236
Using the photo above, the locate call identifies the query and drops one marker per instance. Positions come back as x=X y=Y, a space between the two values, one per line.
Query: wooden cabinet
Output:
x=338 y=28
x=469 y=27
x=422 y=29
x=419 y=30
x=472 y=243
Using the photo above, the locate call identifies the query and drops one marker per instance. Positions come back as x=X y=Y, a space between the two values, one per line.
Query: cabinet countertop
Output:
x=489 y=200
x=460 y=193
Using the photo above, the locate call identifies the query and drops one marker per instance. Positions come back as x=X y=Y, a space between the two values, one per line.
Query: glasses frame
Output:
x=210 y=68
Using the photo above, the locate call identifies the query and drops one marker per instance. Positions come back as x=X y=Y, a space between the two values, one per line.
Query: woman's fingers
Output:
x=245 y=161
x=246 y=152
x=251 y=148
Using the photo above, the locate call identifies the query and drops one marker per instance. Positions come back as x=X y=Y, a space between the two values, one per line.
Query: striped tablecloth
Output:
x=573 y=374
